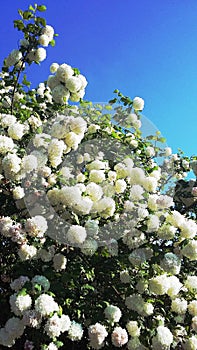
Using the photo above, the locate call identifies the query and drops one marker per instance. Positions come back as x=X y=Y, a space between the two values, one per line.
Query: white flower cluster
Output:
x=163 y=338
x=46 y=35
x=57 y=325
x=39 y=54
x=136 y=302
x=65 y=84
x=164 y=284
x=13 y=58
x=97 y=334
x=12 y=330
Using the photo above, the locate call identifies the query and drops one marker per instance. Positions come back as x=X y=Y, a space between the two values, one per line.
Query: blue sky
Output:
x=145 y=48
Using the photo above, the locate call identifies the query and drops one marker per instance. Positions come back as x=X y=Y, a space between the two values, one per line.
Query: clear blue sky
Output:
x=144 y=48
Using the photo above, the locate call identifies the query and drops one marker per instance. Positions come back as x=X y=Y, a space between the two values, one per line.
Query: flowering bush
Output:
x=98 y=226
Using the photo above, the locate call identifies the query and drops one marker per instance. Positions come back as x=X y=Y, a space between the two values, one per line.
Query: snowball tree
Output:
x=98 y=226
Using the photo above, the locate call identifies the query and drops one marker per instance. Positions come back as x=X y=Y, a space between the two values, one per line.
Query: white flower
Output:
x=24 y=42
x=44 y=40
x=163 y=338
x=138 y=104
x=136 y=176
x=125 y=277
x=119 y=337
x=55 y=149
x=89 y=247
x=14 y=327
x=36 y=226
x=60 y=94
x=164 y=202
x=190 y=250
x=166 y=231
x=6 y=339
x=6 y=144
x=168 y=151
x=64 y=72
x=78 y=125
x=97 y=176
x=20 y=303
x=18 y=283
x=83 y=81
x=152 y=223
x=133 y=329
x=45 y=304
x=97 y=334
x=171 y=263
x=113 y=313
x=54 y=67
x=159 y=285
x=75 y=331
x=174 y=286
x=105 y=207
x=150 y=184
x=76 y=234
x=94 y=191
x=120 y=186
x=65 y=323
x=59 y=262
x=72 y=140
x=70 y=196
x=135 y=302
x=18 y=192
x=194 y=323
x=191 y=283
x=27 y=252
x=140 y=255
x=179 y=305
x=52 y=81
x=136 y=193
x=192 y=308
x=52 y=346
x=29 y=163
x=74 y=84
x=42 y=281
x=13 y=58
x=40 y=54
x=55 y=325
x=175 y=219
x=7 y=120
x=150 y=151
x=188 y=229
x=11 y=163
x=48 y=31
x=97 y=165
x=121 y=170
x=76 y=96
x=190 y=344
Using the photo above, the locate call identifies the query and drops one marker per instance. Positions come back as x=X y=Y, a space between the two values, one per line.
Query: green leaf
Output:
x=38 y=287
x=76 y=71
x=23 y=291
x=40 y=20
x=19 y=24
x=20 y=13
x=58 y=343
x=27 y=15
x=114 y=100
x=25 y=81
x=52 y=43
x=41 y=8
x=31 y=8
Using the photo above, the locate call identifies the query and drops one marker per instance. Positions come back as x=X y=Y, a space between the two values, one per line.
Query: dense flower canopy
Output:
x=97 y=223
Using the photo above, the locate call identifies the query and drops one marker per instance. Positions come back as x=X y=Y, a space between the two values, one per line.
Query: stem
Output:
x=15 y=85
